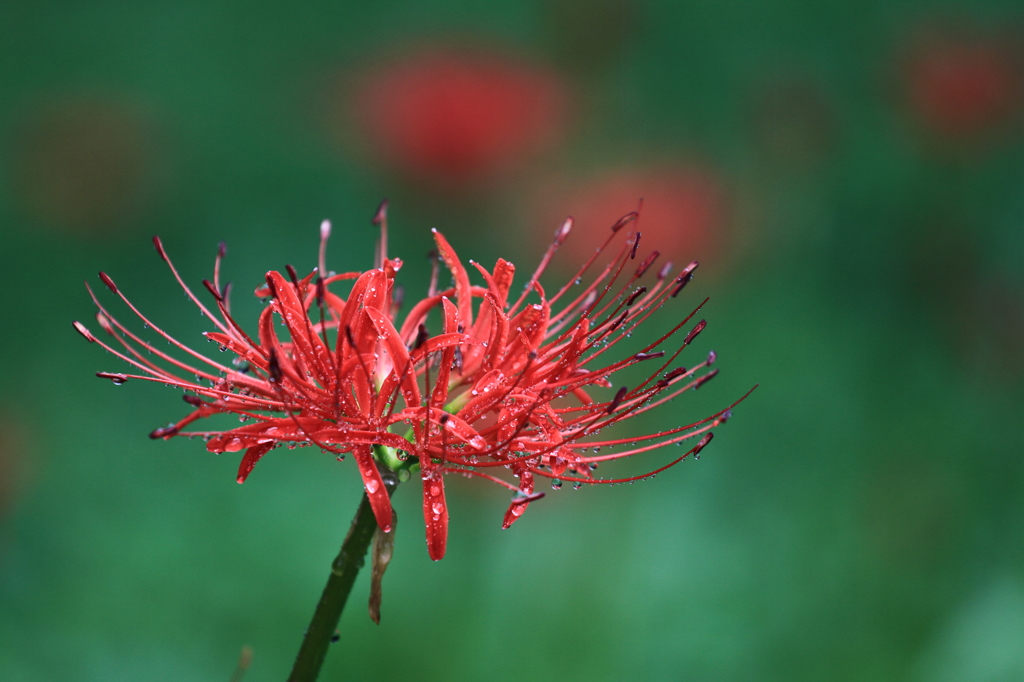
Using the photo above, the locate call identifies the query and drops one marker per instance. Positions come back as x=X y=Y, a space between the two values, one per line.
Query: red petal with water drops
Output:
x=252 y=455
x=305 y=342
x=435 y=514
x=463 y=295
x=394 y=347
x=380 y=501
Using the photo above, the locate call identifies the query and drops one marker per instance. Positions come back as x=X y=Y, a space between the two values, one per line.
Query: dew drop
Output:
x=437 y=508
x=371 y=486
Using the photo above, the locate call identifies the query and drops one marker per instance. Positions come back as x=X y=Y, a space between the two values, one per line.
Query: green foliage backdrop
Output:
x=861 y=518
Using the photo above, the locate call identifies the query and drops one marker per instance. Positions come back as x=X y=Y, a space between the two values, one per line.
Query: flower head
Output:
x=504 y=383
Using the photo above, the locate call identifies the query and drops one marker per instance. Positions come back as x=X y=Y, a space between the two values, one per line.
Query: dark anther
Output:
x=444 y=418
x=398 y=297
x=703 y=443
x=649 y=356
x=724 y=417
x=620 y=320
x=636 y=245
x=109 y=282
x=164 y=431
x=274 y=367
x=648 y=262
x=532 y=355
x=705 y=379
x=712 y=356
x=636 y=294
x=271 y=287
x=457 y=359
x=421 y=336
x=351 y=339
x=698 y=328
x=213 y=290
x=684 y=278
x=677 y=372
x=321 y=290
x=433 y=255
x=222 y=249
x=116 y=377
x=292 y=275
x=193 y=400
x=620 y=395
x=225 y=294
x=625 y=220
x=687 y=271
x=381 y=214
x=159 y=247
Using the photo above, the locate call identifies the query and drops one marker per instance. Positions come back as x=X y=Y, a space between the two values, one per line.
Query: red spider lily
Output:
x=503 y=385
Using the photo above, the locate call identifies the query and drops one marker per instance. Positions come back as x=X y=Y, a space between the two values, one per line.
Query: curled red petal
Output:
x=519 y=504
x=252 y=455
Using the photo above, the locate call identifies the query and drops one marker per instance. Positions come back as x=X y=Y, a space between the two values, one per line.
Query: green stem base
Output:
x=344 y=570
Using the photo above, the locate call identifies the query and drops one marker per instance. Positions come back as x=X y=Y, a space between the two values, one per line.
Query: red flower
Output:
x=962 y=86
x=448 y=117
x=684 y=208
x=502 y=385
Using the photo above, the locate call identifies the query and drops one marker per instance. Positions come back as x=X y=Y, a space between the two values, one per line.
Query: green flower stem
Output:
x=343 y=575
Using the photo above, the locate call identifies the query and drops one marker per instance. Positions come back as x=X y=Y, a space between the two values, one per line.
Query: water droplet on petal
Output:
x=371 y=486
x=437 y=508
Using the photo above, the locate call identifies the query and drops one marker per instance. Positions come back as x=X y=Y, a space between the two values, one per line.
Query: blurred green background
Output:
x=850 y=174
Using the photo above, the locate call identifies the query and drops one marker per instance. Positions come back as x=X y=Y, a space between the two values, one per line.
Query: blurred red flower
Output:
x=683 y=210
x=448 y=116
x=960 y=86
x=504 y=385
